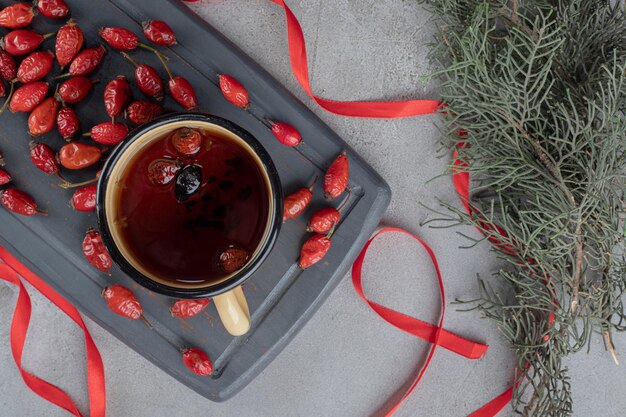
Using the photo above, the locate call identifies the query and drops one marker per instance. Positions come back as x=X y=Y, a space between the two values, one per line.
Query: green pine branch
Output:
x=540 y=88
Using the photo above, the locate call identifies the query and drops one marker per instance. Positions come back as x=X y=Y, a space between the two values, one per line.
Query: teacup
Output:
x=189 y=206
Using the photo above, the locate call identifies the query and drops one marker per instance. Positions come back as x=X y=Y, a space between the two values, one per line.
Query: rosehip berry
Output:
x=22 y=41
x=84 y=199
x=186 y=141
x=163 y=171
x=233 y=91
x=42 y=119
x=140 y=112
x=189 y=308
x=69 y=41
x=53 y=9
x=75 y=89
x=79 y=155
x=314 y=250
x=197 y=361
x=86 y=61
x=5 y=177
x=296 y=202
x=159 y=33
x=16 y=16
x=95 y=252
x=20 y=203
x=43 y=158
x=119 y=38
x=286 y=134
x=8 y=67
x=28 y=96
x=233 y=259
x=147 y=78
x=35 y=67
x=108 y=133
x=116 y=96
x=123 y=302
x=68 y=124
x=336 y=178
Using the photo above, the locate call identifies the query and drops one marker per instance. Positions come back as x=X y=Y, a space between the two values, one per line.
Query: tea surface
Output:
x=192 y=215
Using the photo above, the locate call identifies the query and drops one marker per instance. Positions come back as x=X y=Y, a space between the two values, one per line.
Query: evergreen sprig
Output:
x=539 y=87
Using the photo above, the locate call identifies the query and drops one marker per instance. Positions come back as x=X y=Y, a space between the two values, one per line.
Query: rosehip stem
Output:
x=67 y=185
x=49 y=35
x=345 y=202
x=310 y=187
x=130 y=59
x=60 y=77
x=146 y=322
x=160 y=54
x=167 y=69
x=8 y=99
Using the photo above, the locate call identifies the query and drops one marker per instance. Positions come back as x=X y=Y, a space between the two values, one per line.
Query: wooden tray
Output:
x=282 y=298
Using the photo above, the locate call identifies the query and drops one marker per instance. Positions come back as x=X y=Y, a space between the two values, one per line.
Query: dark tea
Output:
x=193 y=206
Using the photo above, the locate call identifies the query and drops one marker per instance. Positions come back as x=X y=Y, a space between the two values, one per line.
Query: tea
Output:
x=193 y=207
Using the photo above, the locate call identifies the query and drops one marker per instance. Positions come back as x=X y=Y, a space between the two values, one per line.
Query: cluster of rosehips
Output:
x=28 y=93
x=323 y=221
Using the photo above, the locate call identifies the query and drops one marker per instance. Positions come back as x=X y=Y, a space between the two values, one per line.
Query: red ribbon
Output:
x=9 y=271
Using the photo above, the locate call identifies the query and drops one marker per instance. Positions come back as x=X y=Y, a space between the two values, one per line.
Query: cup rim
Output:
x=275 y=194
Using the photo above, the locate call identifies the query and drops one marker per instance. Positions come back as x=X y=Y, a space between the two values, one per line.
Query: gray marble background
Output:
x=346 y=361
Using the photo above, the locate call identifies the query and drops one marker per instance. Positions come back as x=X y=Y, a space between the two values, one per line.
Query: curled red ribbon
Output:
x=10 y=271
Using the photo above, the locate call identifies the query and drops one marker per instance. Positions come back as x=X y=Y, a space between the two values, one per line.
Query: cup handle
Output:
x=233 y=310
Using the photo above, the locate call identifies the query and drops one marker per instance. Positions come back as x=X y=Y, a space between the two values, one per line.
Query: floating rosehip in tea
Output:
x=68 y=43
x=28 y=96
x=16 y=16
x=163 y=171
x=95 y=252
x=314 y=250
x=187 y=141
x=285 y=133
x=233 y=259
x=84 y=199
x=296 y=202
x=197 y=361
x=86 y=61
x=116 y=96
x=75 y=89
x=35 y=67
x=159 y=32
x=53 y=9
x=19 y=202
x=189 y=308
x=140 y=112
x=123 y=302
x=147 y=78
x=234 y=91
x=188 y=182
x=22 y=42
x=336 y=178
x=44 y=158
x=5 y=177
x=43 y=118
x=108 y=133
x=8 y=67
x=79 y=155
x=68 y=124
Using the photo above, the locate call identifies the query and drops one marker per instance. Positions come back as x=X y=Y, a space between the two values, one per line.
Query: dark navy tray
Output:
x=282 y=298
